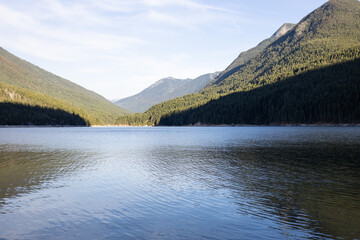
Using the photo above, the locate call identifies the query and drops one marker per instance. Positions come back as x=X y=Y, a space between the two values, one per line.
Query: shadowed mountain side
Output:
x=326 y=95
x=20 y=114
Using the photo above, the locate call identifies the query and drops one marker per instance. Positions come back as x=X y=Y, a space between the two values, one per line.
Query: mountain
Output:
x=324 y=44
x=23 y=83
x=325 y=95
x=244 y=57
x=163 y=90
x=317 y=40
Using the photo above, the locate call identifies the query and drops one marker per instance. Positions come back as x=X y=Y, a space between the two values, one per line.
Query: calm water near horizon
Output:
x=180 y=183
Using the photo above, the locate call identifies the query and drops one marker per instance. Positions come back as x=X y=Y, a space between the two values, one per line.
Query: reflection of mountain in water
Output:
x=25 y=170
x=301 y=186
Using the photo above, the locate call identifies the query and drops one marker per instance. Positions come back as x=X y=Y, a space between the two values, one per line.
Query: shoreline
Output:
x=40 y=126
x=195 y=125
x=280 y=125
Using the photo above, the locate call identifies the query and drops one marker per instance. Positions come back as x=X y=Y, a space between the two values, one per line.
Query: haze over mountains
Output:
x=163 y=90
x=324 y=44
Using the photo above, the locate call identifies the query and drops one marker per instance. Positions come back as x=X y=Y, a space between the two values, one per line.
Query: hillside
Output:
x=328 y=36
x=27 y=82
x=325 y=95
x=163 y=90
x=244 y=57
x=318 y=40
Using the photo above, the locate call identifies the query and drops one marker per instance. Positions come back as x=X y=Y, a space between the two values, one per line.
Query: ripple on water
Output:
x=180 y=183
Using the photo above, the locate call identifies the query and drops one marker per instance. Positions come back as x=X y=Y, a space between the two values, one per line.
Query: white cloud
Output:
x=55 y=9
x=138 y=5
x=116 y=6
x=167 y=19
x=186 y=3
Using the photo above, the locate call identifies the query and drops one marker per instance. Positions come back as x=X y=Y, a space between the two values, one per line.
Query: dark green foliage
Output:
x=20 y=74
x=322 y=38
x=327 y=95
x=330 y=35
x=153 y=115
x=19 y=114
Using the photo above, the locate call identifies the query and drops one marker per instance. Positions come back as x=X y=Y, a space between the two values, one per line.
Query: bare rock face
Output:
x=11 y=94
x=284 y=29
x=300 y=29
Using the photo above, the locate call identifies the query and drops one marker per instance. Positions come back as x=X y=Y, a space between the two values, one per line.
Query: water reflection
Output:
x=24 y=169
x=181 y=183
x=312 y=186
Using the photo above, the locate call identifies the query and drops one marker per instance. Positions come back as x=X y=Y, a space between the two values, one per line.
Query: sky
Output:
x=119 y=47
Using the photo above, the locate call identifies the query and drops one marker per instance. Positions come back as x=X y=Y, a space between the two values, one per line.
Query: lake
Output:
x=180 y=183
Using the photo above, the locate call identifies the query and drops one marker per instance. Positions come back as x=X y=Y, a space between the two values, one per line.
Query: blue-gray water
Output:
x=180 y=183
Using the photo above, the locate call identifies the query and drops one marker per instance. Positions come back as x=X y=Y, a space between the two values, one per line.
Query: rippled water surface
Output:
x=180 y=183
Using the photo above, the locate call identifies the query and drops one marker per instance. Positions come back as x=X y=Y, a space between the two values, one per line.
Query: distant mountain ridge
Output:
x=163 y=90
x=24 y=83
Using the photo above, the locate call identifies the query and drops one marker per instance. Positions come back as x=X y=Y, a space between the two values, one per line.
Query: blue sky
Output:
x=119 y=47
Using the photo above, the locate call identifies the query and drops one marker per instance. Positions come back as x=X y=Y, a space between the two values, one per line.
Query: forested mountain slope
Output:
x=163 y=90
x=326 y=95
x=16 y=105
x=244 y=57
x=320 y=39
x=24 y=83
x=328 y=36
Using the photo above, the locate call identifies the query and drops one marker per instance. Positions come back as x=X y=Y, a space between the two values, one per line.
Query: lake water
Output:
x=180 y=183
